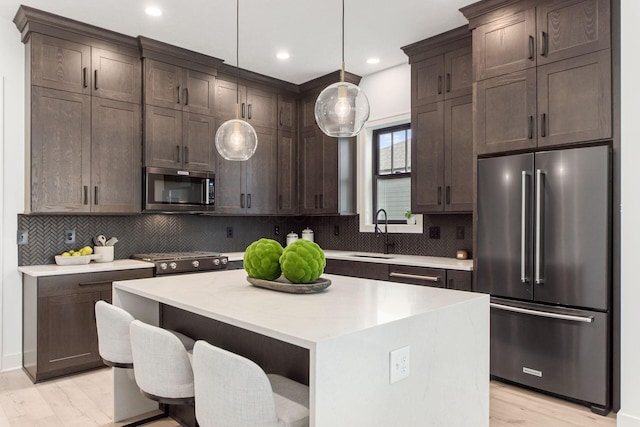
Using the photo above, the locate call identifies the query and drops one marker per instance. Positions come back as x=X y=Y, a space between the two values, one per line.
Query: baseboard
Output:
x=11 y=362
x=626 y=420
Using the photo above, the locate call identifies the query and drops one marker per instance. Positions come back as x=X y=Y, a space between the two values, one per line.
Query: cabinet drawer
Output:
x=86 y=282
x=365 y=270
x=434 y=277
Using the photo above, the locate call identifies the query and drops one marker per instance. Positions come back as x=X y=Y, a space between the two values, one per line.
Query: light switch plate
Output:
x=399 y=362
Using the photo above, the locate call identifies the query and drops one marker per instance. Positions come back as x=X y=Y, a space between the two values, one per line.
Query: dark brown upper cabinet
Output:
x=442 y=77
x=116 y=76
x=287 y=172
x=259 y=107
x=458 y=154
x=286 y=113
x=179 y=88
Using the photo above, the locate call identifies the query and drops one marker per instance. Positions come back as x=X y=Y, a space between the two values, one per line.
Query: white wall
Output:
x=388 y=91
x=12 y=181
x=629 y=414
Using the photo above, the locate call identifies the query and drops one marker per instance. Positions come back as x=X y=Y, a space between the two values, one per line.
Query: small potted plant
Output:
x=411 y=219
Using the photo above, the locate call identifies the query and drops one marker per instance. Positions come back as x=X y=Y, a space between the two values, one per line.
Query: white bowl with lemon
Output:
x=82 y=256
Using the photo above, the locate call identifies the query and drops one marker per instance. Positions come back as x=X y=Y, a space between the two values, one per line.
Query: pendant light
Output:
x=236 y=139
x=342 y=109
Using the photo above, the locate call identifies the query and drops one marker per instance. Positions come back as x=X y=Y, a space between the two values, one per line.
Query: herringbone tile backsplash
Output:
x=169 y=233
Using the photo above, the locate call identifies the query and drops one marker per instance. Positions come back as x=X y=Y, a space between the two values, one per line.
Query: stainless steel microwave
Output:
x=172 y=190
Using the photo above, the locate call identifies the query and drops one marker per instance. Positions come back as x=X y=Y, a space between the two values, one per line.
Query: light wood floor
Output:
x=86 y=400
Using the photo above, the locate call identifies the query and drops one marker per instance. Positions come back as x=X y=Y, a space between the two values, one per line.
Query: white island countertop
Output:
x=350 y=331
x=92 y=267
x=396 y=259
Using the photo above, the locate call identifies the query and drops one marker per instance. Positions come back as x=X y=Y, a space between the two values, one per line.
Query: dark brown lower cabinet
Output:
x=59 y=327
x=365 y=270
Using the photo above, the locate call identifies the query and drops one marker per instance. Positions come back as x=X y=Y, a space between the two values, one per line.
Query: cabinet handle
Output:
x=415 y=276
x=178 y=151
x=545 y=44
x=280 y=119
x=448 y=194
x=249 y=111
x=530 y=127
x=448 y=82
x=95 y=79
x=179 y=97
x=98 y=282
x=95 y=195
x=249 y=201
x=439 y=195
x=243 y=110
x=315 y=201
x=242 y=200
x=439 y=85
x=531 y=47
x=186 y=155
x=186 y=96
x=280 y=201
x=543 y=125
x=84 y=77
x=86 y=195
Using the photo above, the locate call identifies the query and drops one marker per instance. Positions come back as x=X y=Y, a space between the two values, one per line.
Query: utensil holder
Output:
x=106 y=253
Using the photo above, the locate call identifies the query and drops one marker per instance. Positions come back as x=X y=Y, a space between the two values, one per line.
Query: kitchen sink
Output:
x=371 y=256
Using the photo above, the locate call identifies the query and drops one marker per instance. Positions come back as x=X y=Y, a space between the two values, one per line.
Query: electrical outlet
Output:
x=460 y=233
x=229 y=232
x=276 y=230
x=399 y=362
x=336 y=230
x=70 y=237
x=23 y=237
x=434 y=232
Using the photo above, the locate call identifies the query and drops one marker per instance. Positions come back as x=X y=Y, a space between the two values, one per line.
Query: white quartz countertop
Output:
x=92 y=267
x=348 y=305
x=410 y=260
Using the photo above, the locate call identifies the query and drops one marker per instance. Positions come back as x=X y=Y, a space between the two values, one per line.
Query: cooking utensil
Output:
x=112 y=241
x=100 y=240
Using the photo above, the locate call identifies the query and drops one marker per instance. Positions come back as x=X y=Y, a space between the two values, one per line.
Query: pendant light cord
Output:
x=342 y=71
x=237 y=59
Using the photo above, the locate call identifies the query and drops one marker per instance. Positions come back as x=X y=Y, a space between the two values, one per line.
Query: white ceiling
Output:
x=309 y=30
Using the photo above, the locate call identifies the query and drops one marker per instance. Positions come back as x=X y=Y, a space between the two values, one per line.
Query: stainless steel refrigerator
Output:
x=543 y=253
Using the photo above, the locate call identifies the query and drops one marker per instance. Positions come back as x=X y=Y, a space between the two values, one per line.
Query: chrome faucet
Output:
x=387 y=245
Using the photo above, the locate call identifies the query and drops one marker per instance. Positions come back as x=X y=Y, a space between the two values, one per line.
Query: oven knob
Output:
x=216 y=261
x=195 y=263
x=173 y=265
x=224 y=261
x=163 y=266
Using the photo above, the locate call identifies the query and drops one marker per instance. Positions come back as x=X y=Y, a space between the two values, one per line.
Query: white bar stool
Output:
x=232 y=391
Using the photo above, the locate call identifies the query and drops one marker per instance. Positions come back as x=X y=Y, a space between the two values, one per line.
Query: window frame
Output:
x=376 y=176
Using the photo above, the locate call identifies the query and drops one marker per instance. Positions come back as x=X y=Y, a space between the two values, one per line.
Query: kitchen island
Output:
x=347 y=333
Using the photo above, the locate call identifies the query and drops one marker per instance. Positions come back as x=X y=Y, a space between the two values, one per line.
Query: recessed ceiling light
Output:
x=373 y=60
x=283 y=55
x=153 y=11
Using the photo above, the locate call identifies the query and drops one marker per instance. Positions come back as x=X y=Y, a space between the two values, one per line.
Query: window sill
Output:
x=394 y=228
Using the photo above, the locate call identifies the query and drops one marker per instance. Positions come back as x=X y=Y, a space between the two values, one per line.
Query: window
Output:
x=392 y=171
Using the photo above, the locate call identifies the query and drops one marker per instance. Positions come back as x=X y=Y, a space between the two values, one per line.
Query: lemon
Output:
x=76 y=254
x=66 y=254
x=86 y=250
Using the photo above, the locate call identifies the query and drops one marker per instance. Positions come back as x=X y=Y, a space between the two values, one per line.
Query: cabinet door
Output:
x=163 y=85
x=307 y=114
x=228 y=95
x=427 y=158
x=262 y=108
x=458 y=154
x=286 y=113
x=287 y=170
x=330 y=185
x=458 y=73
x=427 y=81
x=163 y=137
x=199 y=92
x=199 y=146
x=60 y=151
x=231 y=183
x=569 y=28
x=67 y=335
x=60 y=64
x=116 y=76
x=574 y=99
x=506 y=45
x=310 y=171
x=116 y=156
x=459 y=280
x=506 y=113
x=262 y=177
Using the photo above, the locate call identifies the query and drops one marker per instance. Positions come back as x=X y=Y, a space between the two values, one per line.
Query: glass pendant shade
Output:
x=236 y=140
x=342 y=110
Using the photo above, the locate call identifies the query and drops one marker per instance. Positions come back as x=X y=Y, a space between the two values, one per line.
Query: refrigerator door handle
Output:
x=524 y=227
x=583 y=319
x=539 y=227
